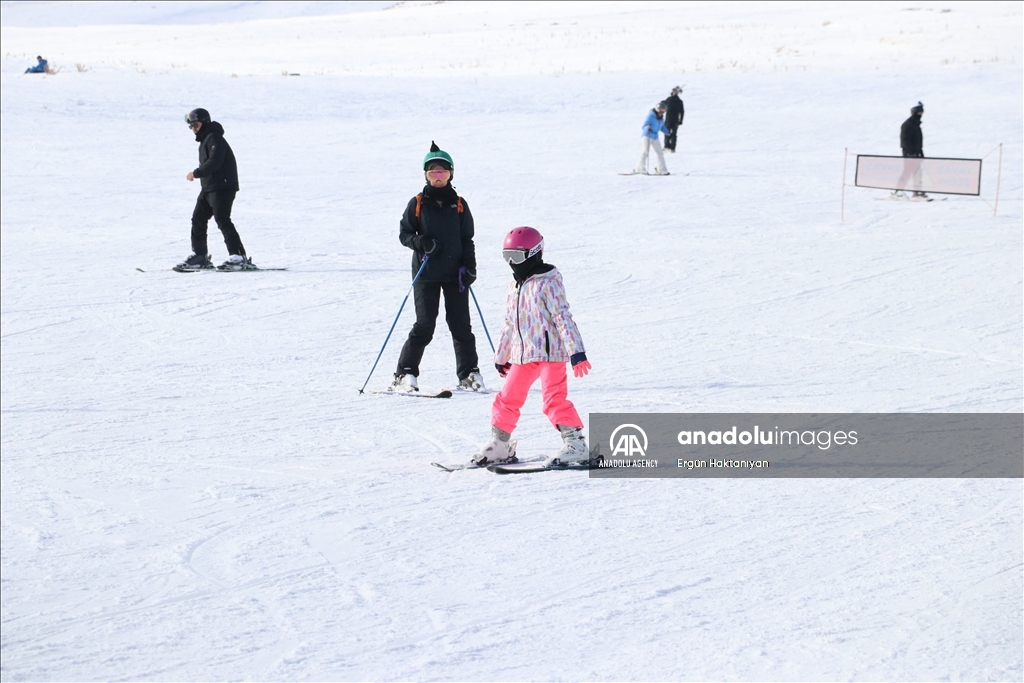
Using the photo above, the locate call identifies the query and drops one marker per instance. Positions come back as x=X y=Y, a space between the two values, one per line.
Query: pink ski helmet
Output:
x=520 y=244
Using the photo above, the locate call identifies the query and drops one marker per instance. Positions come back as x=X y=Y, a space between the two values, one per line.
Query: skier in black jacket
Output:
x=911 y=137
x=674 y=113
x=912 y=143
x=438 y=226
x=218 y=176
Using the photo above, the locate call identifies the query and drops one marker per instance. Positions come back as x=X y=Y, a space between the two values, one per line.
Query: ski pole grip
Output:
x=420 y=271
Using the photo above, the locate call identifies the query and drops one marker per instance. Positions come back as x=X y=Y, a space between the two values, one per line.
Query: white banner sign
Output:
x=944 y=176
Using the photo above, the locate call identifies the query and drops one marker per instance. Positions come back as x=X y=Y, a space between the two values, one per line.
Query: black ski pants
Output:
x=427 y=297
x=215 y=205
x=670 y=138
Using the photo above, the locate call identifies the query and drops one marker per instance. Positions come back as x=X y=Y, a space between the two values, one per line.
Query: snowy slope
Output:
x=192 y=488
x=48 y=14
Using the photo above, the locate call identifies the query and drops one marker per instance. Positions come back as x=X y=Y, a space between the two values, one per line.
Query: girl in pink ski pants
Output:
x=555 y=391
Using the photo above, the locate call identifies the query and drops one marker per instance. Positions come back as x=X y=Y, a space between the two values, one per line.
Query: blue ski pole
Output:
x=482 y=320
x=418 y=273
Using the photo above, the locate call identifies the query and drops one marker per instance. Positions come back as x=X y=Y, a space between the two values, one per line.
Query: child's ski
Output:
x=471 y=466
x=530 y=467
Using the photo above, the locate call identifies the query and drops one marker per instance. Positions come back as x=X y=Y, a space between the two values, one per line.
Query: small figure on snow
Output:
x=912 y=141
x=653 y=124
x=218 y=175
x=911 y=137
x=538 y=338
x=674 y=113
x=438 y=227
x=40 y=68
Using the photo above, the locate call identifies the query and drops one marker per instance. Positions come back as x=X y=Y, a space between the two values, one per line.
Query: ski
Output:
x=470 y=466
x=253 y=269
x=482 y=392
x=538 y=465
x=905 y=198
x=531 y=467
x=661 y=175
x=456 y=468
x=444 y=393
x=245 y=270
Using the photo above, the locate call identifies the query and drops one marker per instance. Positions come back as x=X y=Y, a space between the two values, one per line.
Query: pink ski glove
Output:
x=581 y=369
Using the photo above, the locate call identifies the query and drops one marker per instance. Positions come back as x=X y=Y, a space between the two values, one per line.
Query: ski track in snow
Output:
x=192 y=487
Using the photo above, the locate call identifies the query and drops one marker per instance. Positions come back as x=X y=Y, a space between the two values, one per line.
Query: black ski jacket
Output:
x=675 y=112
x=452 y=232
x=217 y=169
x=911 y=137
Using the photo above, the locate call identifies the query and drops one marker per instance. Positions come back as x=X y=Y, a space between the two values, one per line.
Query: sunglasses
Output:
x=194 y=124
x=517 y=256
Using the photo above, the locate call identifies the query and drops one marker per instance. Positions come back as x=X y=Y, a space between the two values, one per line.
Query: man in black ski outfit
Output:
x=438 y=227
x=912 y=142
x=674 y=113
x=911 y=137
x=218 y=176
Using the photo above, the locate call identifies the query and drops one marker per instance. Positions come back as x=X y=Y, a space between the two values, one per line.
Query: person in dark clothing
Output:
x=673 y=118
x=911 y=137
x=438 y=226
x=912 y=143
x=218 y=176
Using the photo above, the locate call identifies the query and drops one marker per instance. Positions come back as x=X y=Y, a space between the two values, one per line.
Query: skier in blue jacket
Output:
x=39 y=68
x=653 y=124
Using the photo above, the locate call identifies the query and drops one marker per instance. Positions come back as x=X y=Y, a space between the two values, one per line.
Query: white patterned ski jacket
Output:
x=538 y=325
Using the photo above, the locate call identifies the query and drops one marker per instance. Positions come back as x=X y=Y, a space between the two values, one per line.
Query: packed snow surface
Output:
x=193 y=488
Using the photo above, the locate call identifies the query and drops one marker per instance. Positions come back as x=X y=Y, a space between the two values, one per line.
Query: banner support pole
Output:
x=999 y=179
x=842 y=197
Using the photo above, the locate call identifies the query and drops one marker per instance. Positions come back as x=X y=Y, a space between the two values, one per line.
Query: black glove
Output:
x=426 y=244
x=503 y=369
x=466 y=277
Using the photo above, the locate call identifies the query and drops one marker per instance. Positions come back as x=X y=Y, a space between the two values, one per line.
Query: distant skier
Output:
x=218 y=175
x=438 y=224
x=911 y=137
x=40 y=68
x=912 y=141
x=674 y=113
x=653 y=125
x=538 y=338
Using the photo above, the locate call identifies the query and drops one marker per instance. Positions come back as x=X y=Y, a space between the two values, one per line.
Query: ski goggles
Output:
x=517 y=256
